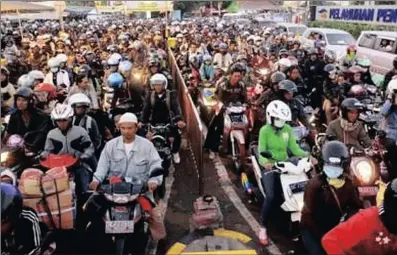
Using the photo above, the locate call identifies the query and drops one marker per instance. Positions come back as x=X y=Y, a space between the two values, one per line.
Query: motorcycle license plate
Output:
x=119 y=227
x=368 y=191
x=236 y=118
x=298 y=187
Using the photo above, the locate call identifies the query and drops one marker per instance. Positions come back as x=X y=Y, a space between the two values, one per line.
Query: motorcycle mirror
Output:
x=266 y=154
x=156 y=172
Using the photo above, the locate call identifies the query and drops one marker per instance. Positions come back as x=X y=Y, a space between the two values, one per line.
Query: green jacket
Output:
x=277 y=143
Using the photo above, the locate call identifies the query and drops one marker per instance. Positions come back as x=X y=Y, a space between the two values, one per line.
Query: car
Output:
x=335 y=39
x=380 y=47
x=297 y=29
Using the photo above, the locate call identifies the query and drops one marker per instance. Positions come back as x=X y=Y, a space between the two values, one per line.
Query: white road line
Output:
x=168 y=186
x=227 y=186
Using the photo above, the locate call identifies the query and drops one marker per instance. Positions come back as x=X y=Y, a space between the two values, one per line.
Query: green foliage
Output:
x=187 y=6
x=353 y=28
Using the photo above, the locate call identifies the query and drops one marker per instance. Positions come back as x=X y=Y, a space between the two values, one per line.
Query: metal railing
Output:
x=193 y=122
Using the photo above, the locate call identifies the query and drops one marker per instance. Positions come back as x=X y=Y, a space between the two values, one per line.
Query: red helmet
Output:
x=45 y=87
x=351 y=47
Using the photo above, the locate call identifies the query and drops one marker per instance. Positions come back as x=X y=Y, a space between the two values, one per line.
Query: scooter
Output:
x=125 y=210
x=236 y=128
x=293 y=177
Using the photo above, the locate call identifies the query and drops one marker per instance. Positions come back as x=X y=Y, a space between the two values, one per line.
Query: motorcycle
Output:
x=162 y=141
x=236 y=129
x=293 y=177
x=124 y=210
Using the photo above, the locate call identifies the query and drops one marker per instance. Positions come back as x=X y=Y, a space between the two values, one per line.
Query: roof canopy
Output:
x=20 y=6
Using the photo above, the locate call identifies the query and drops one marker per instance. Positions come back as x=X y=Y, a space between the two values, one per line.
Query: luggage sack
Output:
x=206 y=213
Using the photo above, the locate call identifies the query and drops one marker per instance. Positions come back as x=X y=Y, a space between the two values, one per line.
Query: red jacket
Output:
x=362 y=234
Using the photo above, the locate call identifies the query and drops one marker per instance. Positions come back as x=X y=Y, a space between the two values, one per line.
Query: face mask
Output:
x=313 y=58
x=279 y=123
x=332 y=172
x=54 y=69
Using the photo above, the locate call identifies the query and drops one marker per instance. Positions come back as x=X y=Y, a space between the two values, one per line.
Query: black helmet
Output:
x=287 y=85
x=277 y=77
x=238 y=67
x=330 y=56
x=84 y=70
x=395 y=62
x=350 y=104
x=11 y=201
x=312 y=51
x=283 y=52
x=390 y=207
x=329 y=68
x=335 y=153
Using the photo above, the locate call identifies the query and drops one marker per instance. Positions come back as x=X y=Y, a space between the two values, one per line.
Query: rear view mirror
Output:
x=156 y=172
x=266 y=154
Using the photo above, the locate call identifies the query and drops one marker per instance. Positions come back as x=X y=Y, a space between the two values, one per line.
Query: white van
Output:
x=335 y=39
x=228 y=17
x=380 y=47
x=297 y=29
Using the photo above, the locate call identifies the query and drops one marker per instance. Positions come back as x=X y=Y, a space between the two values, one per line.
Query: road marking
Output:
x=227 y=186
x=152 y=250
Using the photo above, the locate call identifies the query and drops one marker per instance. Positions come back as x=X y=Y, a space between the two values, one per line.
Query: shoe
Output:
x=263 y=239
x=212 y=155
x=176 y=158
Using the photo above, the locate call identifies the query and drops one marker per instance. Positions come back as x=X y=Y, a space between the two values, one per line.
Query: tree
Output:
x=187 y=6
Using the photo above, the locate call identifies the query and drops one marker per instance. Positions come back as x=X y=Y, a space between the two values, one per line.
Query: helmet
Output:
x=287 y=85
x=116 y=56
x=53 y=62
x=62 y=58
x=351 y=47
x=44 y=87
x=330 y=56
x=80 y=99
x=62 y=112
x=11 y=201
x=15 y=142
x=335 y=157
x=350 y=104
x=159 y=79
x=284 y=64
x=277 y=77
x=283 y=52
x=115 y=80
x=125 y=66
x=391 y=87
x=113 y=61
x=36 y=75
x=331 y=70
x=312 y=51
x=223 y=46
x=84 y=70
x=24 y=92
x=390 y=207
x=277 y=113
x=112 y=48
x=153 y=62
x=25 y=81
x=179 y=35
x=207 y=58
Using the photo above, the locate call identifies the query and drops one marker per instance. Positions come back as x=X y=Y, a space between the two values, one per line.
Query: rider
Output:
x=161 y=107
x=223 y=59
x=370 y=231
x=330 y=197
x=366 y=76
x=37 y=76
x=67 y=138
x=56 y=76
x=26 y=118
x=277 y=138
x=350 y=58
x=229 y=90
x=45 y=94
x=128 y=156
x=84 y=86
x=7 y=91
x=333 y=92
x=207 y=70
x=81 y=105
x=20 y=229
x=347 y=128
x=390 y=74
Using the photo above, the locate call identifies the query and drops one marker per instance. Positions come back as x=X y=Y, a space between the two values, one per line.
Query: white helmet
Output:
x=114 y=59
x=79 y=98
x=36 y=75
x=62 y=58
x=391 y=86
x=25 y=81
x=53 y=63
x=158 y=78
x=125 y=66
x=277 y=113
x=62 y=112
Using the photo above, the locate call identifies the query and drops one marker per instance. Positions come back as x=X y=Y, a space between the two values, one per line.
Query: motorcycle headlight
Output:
x=364 y=172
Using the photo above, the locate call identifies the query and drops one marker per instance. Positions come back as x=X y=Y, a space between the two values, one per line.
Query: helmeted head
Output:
x=80 y=103
x=23 y=98
x=62 y=115
x=335 y=159
x=350 y=109
x=277 y=114
x=158 y=82
x=11 y=207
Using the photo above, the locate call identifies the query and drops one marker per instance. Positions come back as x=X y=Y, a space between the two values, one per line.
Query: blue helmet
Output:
x=115 y=80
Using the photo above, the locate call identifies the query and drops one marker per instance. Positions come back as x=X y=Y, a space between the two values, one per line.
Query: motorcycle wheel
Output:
x=237 y=157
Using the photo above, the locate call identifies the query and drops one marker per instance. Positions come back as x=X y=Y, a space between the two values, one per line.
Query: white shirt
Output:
x=128 y=147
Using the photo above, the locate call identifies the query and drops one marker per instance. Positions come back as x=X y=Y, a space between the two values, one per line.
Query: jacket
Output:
x=76 y=141
x=320 y=212
x=61 y=78
x=223 y=61
x=362 y=234
x=160 y=112
x=89 y=92
x=89 y=124
x=389 y=123
x=278 y=143
x=38 y=121
x=227 y=94
x=114 y=161
x=207 y=72
x=353 y=138
x=333 y=91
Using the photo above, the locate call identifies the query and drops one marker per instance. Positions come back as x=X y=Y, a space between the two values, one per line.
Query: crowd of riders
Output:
x=91 y=89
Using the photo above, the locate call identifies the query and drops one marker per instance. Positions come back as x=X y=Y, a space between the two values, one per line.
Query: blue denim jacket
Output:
x=390 y=122
x=114 y=161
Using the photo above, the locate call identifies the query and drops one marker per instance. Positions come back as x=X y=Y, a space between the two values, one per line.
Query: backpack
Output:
x=206 y=213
